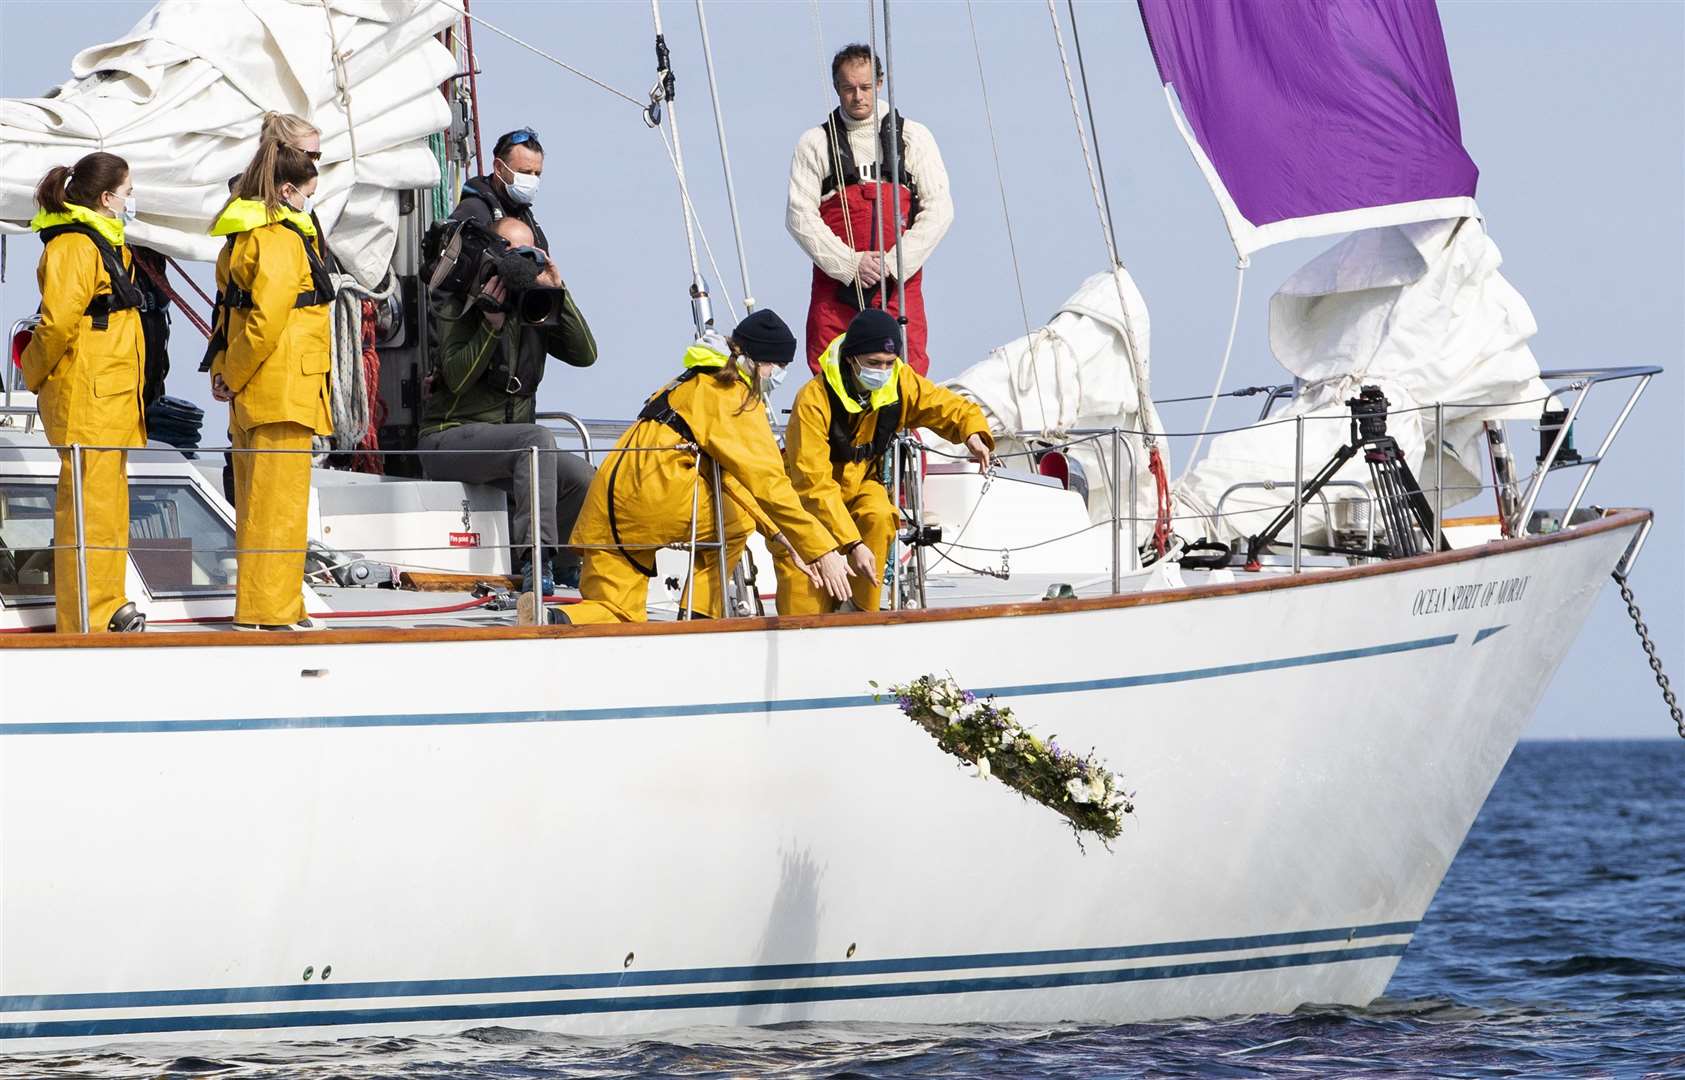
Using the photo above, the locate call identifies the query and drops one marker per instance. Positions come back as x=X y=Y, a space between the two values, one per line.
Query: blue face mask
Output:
x=874 y=379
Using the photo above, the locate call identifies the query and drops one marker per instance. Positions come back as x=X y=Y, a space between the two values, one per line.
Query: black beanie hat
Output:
x=765 y=337
x=874 y=330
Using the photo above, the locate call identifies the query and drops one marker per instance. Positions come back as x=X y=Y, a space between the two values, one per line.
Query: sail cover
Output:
x=181 y=96
x=1310 y=118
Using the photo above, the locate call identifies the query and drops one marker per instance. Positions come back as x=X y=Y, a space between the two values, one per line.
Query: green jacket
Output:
x=484 y=377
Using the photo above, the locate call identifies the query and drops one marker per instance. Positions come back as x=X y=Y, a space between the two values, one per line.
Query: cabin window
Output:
x=180 y=545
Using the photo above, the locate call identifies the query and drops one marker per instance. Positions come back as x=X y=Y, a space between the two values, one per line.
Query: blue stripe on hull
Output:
x=724 y=708
x=491 y=1011
x=523 y=984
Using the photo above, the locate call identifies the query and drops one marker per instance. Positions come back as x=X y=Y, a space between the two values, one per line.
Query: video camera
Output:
x=464 y=255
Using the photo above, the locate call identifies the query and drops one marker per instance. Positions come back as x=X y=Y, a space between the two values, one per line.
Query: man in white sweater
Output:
x=841 y=198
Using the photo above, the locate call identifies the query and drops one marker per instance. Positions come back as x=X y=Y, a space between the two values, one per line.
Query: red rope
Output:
x=208 y=301
x=473 y=86
x=365 y=461
x=1161 y=526
x=163 y=284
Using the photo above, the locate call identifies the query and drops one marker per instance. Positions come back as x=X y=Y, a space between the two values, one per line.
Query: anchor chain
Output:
x=1650 y=652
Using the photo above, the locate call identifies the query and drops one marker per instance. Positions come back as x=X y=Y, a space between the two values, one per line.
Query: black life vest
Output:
x=659 y=409
x=844 y=449
x=321 y=292
x=125 y=294
x=837 y=146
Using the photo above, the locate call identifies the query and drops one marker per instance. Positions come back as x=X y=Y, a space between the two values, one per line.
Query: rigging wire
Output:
x=530 y=47
x=830 y=135
x=1093 y=128
x=725 y=162
x=702 y=233
x=1222 y=372
x=1000 y=176
x=895 y=165
x=1006 y=216
x=1156 y=466
x=877 y=179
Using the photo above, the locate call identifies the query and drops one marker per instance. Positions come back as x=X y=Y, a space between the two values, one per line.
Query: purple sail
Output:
x=1313 y=117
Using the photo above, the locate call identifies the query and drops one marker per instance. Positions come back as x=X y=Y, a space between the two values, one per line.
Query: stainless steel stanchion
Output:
x=719 y=535
x=1117 y=512
x=1298 y=491
x=81 y=536
x=534 y=516
x=1439 y=474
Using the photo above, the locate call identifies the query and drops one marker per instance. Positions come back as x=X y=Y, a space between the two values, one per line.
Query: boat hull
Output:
x=605 y=833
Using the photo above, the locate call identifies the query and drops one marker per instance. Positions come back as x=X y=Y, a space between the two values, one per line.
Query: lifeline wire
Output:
x=725 y=160
x=1222 y=372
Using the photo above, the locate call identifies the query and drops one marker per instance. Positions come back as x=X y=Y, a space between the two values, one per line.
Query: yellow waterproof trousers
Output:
x=619 y=592
x=874 y=516
x=105 y=515
x=272 y=506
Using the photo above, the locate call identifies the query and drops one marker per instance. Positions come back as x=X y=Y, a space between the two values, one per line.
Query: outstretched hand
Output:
x=862 y=563
x=832 y=569
x=980 y=453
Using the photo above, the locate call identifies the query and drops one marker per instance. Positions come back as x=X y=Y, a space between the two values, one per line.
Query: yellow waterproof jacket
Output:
x=826 y=487
x=88 y=381
x=278 y=355
x=651 y=491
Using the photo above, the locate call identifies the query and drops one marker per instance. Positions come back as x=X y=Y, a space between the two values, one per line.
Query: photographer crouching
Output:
x=495 y=336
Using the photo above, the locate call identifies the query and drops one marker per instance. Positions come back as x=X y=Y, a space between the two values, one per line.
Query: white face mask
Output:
x=130 y=208
x=874 y=378
x=766 y=383
x=522 y=187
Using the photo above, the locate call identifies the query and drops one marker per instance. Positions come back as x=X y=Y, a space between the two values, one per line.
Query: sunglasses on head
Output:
x=516 y=138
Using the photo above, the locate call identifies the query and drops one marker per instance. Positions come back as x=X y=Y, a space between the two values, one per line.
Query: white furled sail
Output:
x=1419 y=310
x=181 y=97
x=1072 y=374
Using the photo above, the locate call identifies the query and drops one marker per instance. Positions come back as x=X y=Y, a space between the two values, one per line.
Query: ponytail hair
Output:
x=274 y=165
x=730 y=374
x=287 y=129
x=82 y=183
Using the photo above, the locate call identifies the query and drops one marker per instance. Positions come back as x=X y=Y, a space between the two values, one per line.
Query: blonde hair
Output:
x=279 y=160
x=274 y=165
x=287 y=129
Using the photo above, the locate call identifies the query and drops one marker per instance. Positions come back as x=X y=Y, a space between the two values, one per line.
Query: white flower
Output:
x=1078 y=789
x=1096 y=789
x=940 y=708
x=983 y=768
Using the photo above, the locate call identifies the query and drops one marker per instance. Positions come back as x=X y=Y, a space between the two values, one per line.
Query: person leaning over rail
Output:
x=274 y=372
x=843 y=422
x=84 y=364
x=656 y=487
x=841 y=206
x=483 y=397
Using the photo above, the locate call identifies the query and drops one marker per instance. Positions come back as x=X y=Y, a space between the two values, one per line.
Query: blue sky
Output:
x=1574 y=111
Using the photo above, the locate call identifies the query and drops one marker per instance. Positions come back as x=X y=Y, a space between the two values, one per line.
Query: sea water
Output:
x=1556 y=947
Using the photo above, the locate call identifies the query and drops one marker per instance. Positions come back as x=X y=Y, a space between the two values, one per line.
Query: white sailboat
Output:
x=432 y=820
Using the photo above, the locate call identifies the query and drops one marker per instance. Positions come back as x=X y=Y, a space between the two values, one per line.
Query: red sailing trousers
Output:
x=833 y=303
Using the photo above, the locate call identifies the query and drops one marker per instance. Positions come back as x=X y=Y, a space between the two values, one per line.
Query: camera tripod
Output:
x=1398 y=496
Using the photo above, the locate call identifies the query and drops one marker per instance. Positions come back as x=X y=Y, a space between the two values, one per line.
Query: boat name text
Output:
x=1475 y=594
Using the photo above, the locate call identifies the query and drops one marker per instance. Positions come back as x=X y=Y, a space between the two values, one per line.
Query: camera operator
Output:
x=482 y=396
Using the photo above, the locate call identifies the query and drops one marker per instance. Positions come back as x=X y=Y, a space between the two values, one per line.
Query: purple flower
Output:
x=967 y=696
